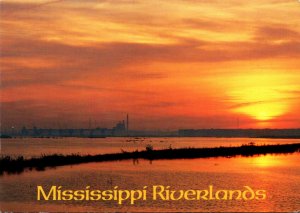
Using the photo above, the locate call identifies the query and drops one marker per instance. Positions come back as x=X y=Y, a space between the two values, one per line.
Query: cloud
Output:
x=10 y=9
x=293 y=93
x=276 y=32
x=161 y=104
x=246 y=104
x=73 y=62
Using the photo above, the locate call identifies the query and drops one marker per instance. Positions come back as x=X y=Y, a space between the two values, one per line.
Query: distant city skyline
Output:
x=188 y=64
x=120 y=129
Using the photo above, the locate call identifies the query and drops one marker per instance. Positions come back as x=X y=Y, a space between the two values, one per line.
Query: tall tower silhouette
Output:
x=127 y=124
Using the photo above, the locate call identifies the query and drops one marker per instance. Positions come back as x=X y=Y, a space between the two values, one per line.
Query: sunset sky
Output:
x=168 y=63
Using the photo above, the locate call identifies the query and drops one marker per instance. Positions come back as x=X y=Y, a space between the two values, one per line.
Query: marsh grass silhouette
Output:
x=11 y=165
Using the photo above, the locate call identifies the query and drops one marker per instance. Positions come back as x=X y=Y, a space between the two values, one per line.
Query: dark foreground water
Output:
x=279 y=175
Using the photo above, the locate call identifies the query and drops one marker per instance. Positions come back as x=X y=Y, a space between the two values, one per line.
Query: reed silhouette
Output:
x=17 y=165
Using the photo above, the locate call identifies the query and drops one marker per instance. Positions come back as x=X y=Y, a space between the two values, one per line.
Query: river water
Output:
x=279 y=175
x=33 y=147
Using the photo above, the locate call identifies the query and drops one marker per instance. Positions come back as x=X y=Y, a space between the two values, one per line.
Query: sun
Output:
x=265 y=114
x=260 y=97
x=264 y=111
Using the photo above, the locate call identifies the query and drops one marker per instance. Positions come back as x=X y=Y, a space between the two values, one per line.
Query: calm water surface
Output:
x=279 y=175
x=29 y=147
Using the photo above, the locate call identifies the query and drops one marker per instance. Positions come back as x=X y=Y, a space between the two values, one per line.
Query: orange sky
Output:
x=168 y=63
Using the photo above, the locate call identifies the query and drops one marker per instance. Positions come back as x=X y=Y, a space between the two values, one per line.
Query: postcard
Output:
x=150 y=106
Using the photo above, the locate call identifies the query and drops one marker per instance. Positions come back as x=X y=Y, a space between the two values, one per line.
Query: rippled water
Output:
x=279 y=175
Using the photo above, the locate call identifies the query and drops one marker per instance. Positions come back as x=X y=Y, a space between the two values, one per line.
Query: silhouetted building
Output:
x=127 y=125
x=120 y=129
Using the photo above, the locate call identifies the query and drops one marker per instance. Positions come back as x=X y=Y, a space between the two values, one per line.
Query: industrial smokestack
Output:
x=127 y=124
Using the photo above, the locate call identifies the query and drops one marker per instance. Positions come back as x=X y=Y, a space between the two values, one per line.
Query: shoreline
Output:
x=17 y=165
x=148 y=136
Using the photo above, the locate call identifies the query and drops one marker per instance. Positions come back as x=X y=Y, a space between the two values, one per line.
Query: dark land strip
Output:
x=12 y=165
